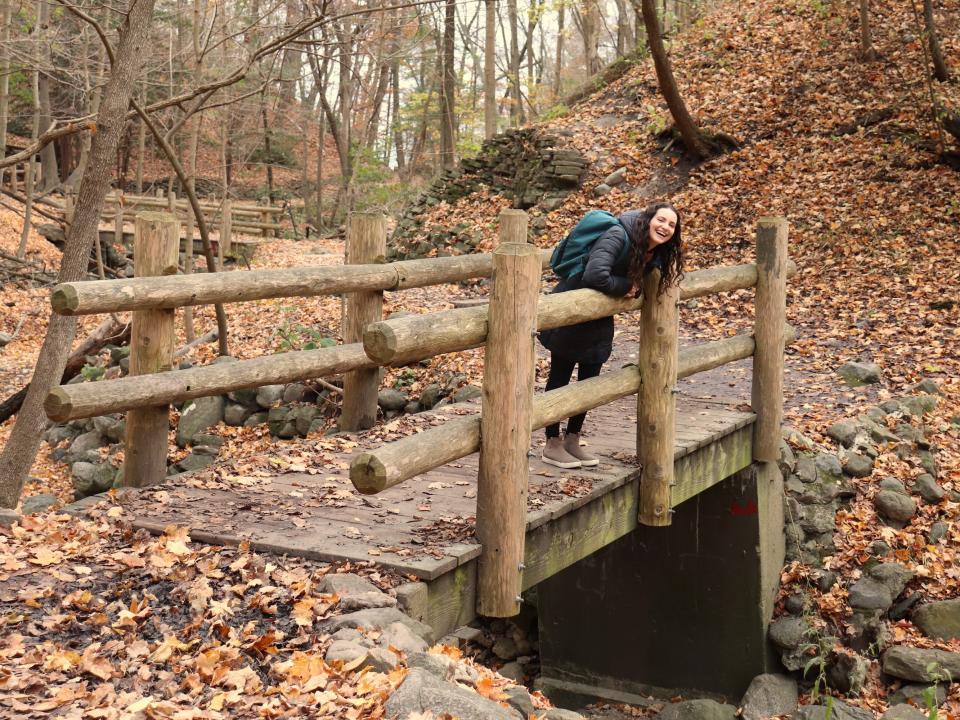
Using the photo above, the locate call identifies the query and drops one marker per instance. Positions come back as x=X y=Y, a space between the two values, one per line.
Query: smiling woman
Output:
x=653 y=239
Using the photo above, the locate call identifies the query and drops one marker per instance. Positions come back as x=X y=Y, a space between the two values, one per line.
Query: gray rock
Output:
x=856 y=374
x=399 y=636
x=380 y=618
x=786 y=460
x=890 y=406
x=347 y=584
x=820 y=492
x=294 y=393
x=200 y=414
x=876 y=413
x=895 y=507
x=806 y=470
x=511 y=671
x=412 y=598
x=345 y=652
x=246 y=397
x=939 y=619
x=826 y=580
x=364 y=601
x=927 y=386
x=277 y=420
x=697 y=710
x=929 y=489
x=520 y=700
x=616 y=177
x=844 y=432
x=389 y=399
x=891 y=575
x=303 y=418
x=90 y=478
x=411 y=408
x=429 y=396
x=382 y=660
x=858 y=465
x=903 y=712
x=5 y=339
x=869 y=594
x=235 y=414
x=794 y=604
x=256 y=419
x=561 y=714
x=195 y=461
x=919 y=404
x=890 y=483
x=877 y=432
x=317 y=425
x=818 y=518
x=601 y=190
x=58 y=433
x=110 y=427
x=269 y=395
x=769 y=695
x=87 y=441
x=929 y=462
x=828 y=467
x=505 y=648
x=440 y=666
x=909 y=663
x=918 y=694
x=38 y=503
x=423 y=692
x=209 y=440
x=351 y=635
x=879 y=548
x=847 y=673
x=788 y=633
x=469 y=634
x=838 y=710
x=938 y=531
x=467 y=392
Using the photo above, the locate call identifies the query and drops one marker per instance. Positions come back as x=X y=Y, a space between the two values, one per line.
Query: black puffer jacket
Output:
x=592 y=341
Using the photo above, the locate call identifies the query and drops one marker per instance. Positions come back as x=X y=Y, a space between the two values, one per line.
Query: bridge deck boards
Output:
x=423 y=527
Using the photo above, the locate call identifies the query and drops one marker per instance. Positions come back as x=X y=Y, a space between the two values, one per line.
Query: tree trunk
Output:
x=516 y=101
x=30 y=182
x=866 y=36
x=490 y=70
x=18 y=456
x=692 y=137
x=397 y=125
x=448 y=126
x=267 y=146
x=4 y=79
x=48 y=156
x=590 y=23
x=561 y=17
x=940 y=70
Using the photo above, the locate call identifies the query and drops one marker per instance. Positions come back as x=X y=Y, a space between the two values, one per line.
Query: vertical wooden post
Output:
x=656 y=402
x=265 y=218
x=513 y=226
x=768 y=333
x=508 y=377
x=118 y=220
x=15 y=178
x=156 y=246
x=189 y=222
x=366 y=243
x=226 y=229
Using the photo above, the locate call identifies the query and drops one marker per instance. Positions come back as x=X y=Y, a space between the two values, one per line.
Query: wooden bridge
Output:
x=460 y=505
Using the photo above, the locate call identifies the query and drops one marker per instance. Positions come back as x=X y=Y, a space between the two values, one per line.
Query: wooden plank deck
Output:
x=424 y=527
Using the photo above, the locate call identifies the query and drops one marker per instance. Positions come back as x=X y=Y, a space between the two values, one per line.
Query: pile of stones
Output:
x=528 y=166
x=818 y=484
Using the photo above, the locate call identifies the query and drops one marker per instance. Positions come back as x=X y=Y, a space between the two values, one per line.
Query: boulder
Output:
x=382 y=660
x=929 y=489
x=856 y=374
x=344 y=652
x=601 y=190
x=277 y=419
x=858 y=465
x=110 y=427
x=892 y=575
x=467 y=392
x=616 y=177
x=837 y=710
x=818 y=518
x=399 y=636
x=844 y=432
x=235 y=414
x=303 y=418
x=927 y=386
x=389 y=399
x=847 y=672
x=258 y=418
x=347 y=584
x=895 y=507
x=199 y=415
x=364 y=601
x=769 y=695
x=891 y=483
x=90 y=478
x=698 y=710
x=919 y=694
x=788 y=633
x=940 y=619
x=380 y=618
x=423 y=692
x=429 y=396
x=38 y=503
x=806 y=469
x=921 y=664
x=91 y=440
x=269 y=395
x=903 y=712
x=828 y=467
x=246 y=397
x=438 y=665
x=196 y=460
x=294 y=393
x=919 y=404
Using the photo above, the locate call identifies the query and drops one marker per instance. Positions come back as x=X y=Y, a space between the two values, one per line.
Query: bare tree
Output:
x=21 y=448
x=490 y=70
x=867 y=51
x=940 y=70
x=447 y=89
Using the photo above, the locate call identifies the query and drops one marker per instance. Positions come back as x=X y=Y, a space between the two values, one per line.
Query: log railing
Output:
x=507 y=326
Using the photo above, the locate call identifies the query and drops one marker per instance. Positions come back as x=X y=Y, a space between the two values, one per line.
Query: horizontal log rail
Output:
x=132 y=202
x=154 y=293
x=373 y=472
x=69 y=402
x=400 y=341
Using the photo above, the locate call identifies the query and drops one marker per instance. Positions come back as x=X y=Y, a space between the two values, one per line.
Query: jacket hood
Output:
x=631 y=221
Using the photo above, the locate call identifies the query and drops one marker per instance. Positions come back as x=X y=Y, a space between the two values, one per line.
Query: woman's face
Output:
x=662 y=226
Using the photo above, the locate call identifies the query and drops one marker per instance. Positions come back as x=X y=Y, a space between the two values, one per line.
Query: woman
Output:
x=654 y=236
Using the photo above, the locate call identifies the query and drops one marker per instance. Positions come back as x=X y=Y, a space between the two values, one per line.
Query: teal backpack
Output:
x=570 y=256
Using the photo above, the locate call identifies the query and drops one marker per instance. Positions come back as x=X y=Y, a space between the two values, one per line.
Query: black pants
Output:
x=561 y=370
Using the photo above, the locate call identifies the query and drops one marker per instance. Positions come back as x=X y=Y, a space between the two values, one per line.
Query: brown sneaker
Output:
x=555 y=454
x=571 y=443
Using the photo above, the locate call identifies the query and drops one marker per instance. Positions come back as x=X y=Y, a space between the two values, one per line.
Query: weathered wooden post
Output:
x=118 y=220
x=155 y=248
x=508 y=377
x=768 y=333
x=226 y=230
x=656 y=403
x=366 y=243
x=189 y=222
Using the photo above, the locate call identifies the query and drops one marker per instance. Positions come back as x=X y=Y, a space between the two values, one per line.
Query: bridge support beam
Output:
x=668 y=609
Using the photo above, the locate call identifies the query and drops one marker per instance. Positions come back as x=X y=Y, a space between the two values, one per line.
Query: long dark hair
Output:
x=668 y=256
